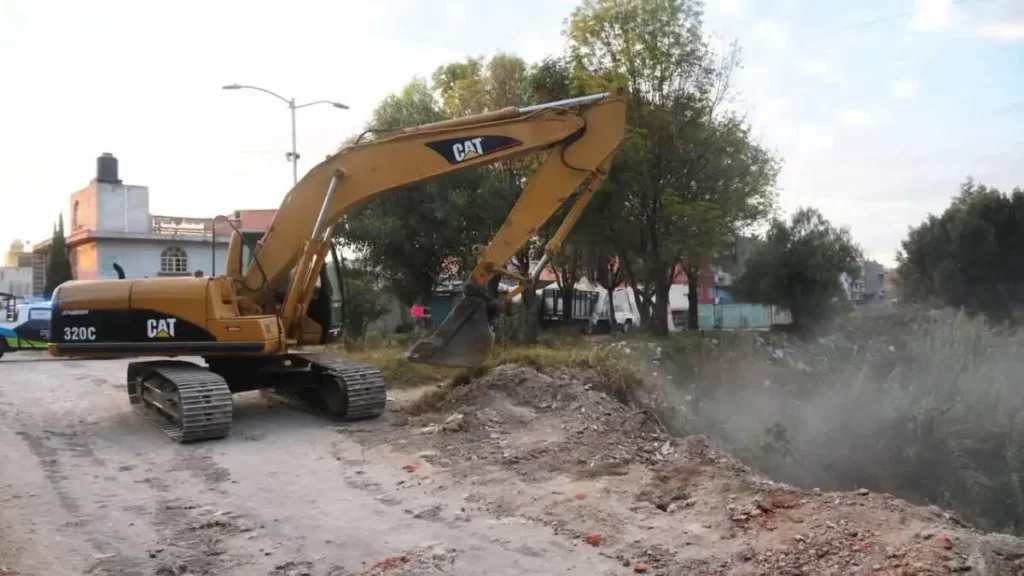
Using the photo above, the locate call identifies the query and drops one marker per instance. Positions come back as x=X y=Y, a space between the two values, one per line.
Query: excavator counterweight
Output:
x=250 y=325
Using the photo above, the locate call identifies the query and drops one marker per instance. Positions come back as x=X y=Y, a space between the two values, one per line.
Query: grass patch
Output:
x=399 y=373
x=385 y=353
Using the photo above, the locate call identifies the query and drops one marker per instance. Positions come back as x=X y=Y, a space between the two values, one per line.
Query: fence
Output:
x=734 y=317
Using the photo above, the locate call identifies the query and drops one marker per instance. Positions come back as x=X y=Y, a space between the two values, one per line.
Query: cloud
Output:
x=931 y=15
x=821 y=68
x=1005 y=31
x=903 y=89
x=854 y=117
x=816 y=67
x=729 y=7
x=768 y=32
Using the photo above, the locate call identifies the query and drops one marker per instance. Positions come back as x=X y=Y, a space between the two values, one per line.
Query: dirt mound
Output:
x=552 y=448
x=541 y=425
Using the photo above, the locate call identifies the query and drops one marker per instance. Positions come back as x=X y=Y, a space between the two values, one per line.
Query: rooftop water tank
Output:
x=106 y=168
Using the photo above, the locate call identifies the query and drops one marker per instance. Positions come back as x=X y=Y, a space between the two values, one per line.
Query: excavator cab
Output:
x=326 y=307
x=464 y=338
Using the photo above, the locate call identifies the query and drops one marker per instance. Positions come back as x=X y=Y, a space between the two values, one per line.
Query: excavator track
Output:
x=351 y=390
x=186 y=402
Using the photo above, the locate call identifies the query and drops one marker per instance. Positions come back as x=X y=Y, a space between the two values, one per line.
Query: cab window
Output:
x=249 y=240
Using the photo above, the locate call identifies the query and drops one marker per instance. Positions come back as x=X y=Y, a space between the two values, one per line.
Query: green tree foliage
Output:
x=688 y=174
x=798 y=266
x=364 y=302
x=58 y=269
x=476 y=86
x=687 y=177
x=969 y=256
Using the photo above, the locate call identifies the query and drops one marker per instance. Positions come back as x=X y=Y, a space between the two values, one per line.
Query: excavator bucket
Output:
x=463 y=339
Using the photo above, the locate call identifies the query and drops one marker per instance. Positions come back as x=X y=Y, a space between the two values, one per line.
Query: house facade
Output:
x=110 y=223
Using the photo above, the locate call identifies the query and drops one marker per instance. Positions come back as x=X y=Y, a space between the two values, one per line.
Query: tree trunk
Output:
x=692 y=297
x=643 y=303
x=529 y=311
x=662 y=286
x=567 y=293
x=610 y=280
x=612 y=322
x=568 y=273
x=529 y=317
x=661 y=308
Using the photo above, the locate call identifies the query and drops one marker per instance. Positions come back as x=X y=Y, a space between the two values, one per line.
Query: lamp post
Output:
x=293 y=156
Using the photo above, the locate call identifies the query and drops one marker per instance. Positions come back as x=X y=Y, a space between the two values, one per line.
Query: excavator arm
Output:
x=579 y=138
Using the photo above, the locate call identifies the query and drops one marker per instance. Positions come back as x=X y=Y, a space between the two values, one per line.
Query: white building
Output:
x=16 y=273
x=110 y=224
x=16 y=281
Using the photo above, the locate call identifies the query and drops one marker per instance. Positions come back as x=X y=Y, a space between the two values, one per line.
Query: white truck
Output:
x=590 y=308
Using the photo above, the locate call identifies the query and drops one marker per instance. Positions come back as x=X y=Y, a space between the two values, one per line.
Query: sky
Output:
x=878 y=108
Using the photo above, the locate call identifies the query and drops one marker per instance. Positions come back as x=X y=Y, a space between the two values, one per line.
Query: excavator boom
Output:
x=579 y=136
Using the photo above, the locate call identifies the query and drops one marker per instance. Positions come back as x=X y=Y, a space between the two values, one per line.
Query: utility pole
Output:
x=292 y=156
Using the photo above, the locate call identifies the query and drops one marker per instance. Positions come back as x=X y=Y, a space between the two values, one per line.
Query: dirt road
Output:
x=87 y=487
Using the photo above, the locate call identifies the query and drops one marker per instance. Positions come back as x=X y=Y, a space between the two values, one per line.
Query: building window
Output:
x=74 y=216
x=173 y=260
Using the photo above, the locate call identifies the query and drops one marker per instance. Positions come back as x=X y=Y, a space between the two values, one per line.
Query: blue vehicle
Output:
x=23 y=325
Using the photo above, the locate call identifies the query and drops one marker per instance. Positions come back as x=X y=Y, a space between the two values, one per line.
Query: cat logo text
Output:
x=163 y=328
x=468 y=149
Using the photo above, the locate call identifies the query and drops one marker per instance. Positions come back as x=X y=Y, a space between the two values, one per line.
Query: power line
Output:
x=880 y=20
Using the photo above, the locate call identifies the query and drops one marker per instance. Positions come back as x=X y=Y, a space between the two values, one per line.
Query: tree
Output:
x=798 y=266
x=475 y=86
x=58 y=269
x=688 y=175
x=732 y=187
x=969 y=256
x=364 y=302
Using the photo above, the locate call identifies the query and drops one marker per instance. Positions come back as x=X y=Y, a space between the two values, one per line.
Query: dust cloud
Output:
x=927 y=406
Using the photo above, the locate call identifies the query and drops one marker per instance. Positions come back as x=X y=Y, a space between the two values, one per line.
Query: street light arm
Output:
x=292 y=156
x=331 y=102
x=274 y=94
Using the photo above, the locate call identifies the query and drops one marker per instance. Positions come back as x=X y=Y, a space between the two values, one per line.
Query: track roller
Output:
x=187 y=402
x=345 y=389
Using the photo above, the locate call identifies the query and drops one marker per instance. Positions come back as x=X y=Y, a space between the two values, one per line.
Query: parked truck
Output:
x=589 y=308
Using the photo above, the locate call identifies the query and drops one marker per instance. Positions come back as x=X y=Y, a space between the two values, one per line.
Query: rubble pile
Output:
x=551 y=448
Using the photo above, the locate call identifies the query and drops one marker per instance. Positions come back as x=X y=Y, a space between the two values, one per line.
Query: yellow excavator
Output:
x=250 y=324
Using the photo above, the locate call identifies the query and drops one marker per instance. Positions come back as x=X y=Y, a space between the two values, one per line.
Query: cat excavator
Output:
x=250 y=325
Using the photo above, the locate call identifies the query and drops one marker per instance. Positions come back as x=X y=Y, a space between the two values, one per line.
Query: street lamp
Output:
x=293 y=156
